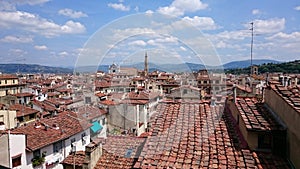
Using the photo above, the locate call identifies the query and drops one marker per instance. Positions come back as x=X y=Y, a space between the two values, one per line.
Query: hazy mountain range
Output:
x=184 y=67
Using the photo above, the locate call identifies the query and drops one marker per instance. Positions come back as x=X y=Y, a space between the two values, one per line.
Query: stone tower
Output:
x=146 y=68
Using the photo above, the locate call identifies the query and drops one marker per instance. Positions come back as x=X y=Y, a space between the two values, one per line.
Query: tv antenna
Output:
x=251 y=49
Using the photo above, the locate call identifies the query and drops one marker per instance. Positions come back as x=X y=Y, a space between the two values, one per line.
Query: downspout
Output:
x=9 y=160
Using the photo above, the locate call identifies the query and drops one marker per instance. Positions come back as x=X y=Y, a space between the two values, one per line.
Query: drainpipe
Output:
x=9 y=160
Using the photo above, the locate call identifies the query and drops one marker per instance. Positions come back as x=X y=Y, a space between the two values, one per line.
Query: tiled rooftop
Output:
x=49 y=131
x=24 y=95
x=8 y=76
x=189 y=135
x=120 y=152
x=255 y=115
x=22 y=110
x=76 y=159
x=290 y=94
x=90 y=112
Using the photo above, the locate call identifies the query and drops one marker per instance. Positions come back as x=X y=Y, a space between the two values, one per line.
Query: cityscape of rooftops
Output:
x=149 y=84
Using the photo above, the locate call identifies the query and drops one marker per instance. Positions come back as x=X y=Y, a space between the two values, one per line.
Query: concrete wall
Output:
x=12 y=145
x=4 y=155
x=18 y=146
x=291 y=118
x=123 y=116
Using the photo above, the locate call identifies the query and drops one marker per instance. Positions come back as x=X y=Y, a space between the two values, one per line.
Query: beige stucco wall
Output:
x=9 y=82
x=250 y=137
x=292 y=120
x=9 y=118
x=6 y=86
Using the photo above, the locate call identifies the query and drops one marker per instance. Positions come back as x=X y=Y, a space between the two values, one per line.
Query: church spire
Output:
x=146 y=64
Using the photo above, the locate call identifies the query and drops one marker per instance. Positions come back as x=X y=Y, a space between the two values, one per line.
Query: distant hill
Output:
x=285 y=67
x=32 y=68
x=246 y=63
x=183 y=67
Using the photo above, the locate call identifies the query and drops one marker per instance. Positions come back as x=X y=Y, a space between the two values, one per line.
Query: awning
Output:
x=96 y=126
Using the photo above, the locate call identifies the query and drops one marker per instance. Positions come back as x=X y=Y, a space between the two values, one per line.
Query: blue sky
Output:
x=56 y=32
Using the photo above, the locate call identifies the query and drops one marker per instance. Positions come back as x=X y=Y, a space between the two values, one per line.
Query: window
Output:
x=88 y=100
x=83 y=138
x=5 y=81
x=264 y=141
x=184 y=91
x=57 y=146
x=2 y=118
x=73 y=146
x=103 y=121
x=37 y=153
x=13 y=81
x=16 y=161
x=31 y=116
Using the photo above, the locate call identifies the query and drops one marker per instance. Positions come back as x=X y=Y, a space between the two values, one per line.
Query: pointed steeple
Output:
x=146 y=64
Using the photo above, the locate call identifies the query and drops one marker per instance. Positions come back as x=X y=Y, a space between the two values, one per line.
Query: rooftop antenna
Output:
x=251 y=50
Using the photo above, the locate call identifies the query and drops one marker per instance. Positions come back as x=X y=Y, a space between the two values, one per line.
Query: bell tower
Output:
x=146 y=68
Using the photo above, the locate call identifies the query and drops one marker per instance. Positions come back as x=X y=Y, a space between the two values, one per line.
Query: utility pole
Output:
x=251 y=50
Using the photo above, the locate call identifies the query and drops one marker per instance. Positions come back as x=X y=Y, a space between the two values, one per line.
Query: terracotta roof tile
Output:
x=77 y=158
x=256 y=116
x=22 y=110
x=120 y=152
x=193 y=135
x=8 y=76
x=49 y=131
x=24 y=94
x=90 y=112
x=290 y=94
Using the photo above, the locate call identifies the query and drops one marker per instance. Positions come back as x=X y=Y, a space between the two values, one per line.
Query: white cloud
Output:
x=64 y=53
x=149 y=12
x=256 y=12
x=162 y=41
x=17 y=52
x=294 y=36
x=136 y=9
x=16 y=39
x=34 y=23
x=125 y=33
x=297 y=8
x=11 y=4
x=203 y=23
x=138 y=43
x=30 y=2
x=183 y=48
x=170 y=10
x=71 y=13
x=119 y=6
x=180 y=7
x=230 y=35
x=222 y=44
x=41 y=47
x=268 y=26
